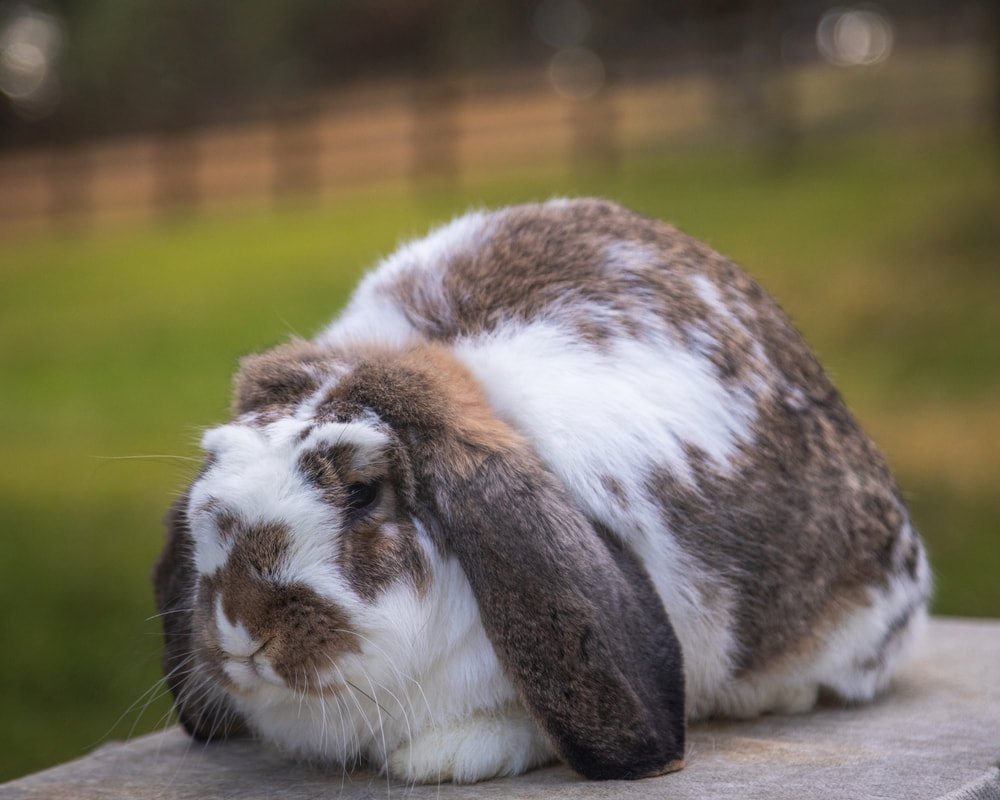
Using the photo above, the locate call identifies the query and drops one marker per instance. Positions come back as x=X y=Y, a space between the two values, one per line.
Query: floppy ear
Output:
x=573 y=616
x=202 y=705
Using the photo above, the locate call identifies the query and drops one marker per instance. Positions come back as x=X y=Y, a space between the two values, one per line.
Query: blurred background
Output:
x=184 y=182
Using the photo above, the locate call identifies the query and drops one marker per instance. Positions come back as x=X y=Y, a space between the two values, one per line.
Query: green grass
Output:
x=120 y=343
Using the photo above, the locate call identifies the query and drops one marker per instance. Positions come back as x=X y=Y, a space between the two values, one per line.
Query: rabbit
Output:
x=558 y=479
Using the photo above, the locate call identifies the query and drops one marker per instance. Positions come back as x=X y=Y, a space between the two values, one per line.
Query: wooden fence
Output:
x=410 y=133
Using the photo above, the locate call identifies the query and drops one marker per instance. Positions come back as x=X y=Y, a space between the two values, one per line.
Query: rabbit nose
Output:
x=263 y=667
x=259 y=656
x=249 y=670
x=252 y=652
x=236 y=642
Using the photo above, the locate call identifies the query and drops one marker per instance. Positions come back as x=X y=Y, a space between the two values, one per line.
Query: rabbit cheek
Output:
x=375 y=555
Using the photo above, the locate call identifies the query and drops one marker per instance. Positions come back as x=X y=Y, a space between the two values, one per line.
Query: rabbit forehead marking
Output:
x=359 y=442
x=257 y=477
x=246 y=446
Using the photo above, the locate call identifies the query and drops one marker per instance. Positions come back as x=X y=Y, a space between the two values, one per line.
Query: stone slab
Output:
x=935 y=734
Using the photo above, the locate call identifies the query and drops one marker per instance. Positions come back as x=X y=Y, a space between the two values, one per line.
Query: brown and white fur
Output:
x=558 y=478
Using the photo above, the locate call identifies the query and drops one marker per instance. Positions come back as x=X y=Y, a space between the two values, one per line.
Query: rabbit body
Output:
x=677 y=411
x=682 y=410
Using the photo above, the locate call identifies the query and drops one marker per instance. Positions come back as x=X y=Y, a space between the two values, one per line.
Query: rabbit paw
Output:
x=472 y=749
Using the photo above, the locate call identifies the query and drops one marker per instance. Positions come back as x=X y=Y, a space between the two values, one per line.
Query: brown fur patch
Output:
x=301 y=632
x=259 y=550
x=615 y=488
x=911 y=559
x=373 y=559
x=463 y=405
x=226 y=523
x=426 y=395
x=268 y=383
x=331 y=469
x=807 y=521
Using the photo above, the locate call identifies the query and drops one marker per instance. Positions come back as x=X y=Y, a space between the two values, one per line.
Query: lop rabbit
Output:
x=557 y=480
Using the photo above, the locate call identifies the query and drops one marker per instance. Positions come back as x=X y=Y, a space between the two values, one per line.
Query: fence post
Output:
x=296 y=151
x=595 y=127
x=434 y=104
x=69 y=178
x=177 y=188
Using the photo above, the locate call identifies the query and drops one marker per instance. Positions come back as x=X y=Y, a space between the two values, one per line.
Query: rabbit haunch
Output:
x=588 y=433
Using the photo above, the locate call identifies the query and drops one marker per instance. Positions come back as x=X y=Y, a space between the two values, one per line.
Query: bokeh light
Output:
x=854 y=37
x=30 y=44
x=576 y=73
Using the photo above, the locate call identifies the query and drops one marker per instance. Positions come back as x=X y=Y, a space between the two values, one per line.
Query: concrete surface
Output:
x=936 y=734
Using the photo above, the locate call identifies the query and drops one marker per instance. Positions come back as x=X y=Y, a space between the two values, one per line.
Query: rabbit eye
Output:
x=361 y=495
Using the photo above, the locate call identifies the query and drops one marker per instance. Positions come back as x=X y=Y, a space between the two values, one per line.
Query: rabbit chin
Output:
x=426 y=698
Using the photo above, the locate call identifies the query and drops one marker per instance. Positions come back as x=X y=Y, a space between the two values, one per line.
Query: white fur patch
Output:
x=594 y=413
x=708 y=293
x=370 y=318
x=234 y=638
x=369 y=441
x=624 y=255
x=482 y=745
x=855 y=661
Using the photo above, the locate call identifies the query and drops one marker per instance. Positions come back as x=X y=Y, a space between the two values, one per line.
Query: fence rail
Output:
x=411 y=132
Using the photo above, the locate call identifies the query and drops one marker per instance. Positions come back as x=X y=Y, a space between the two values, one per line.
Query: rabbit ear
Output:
x=573 y=617
x=203 y=707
